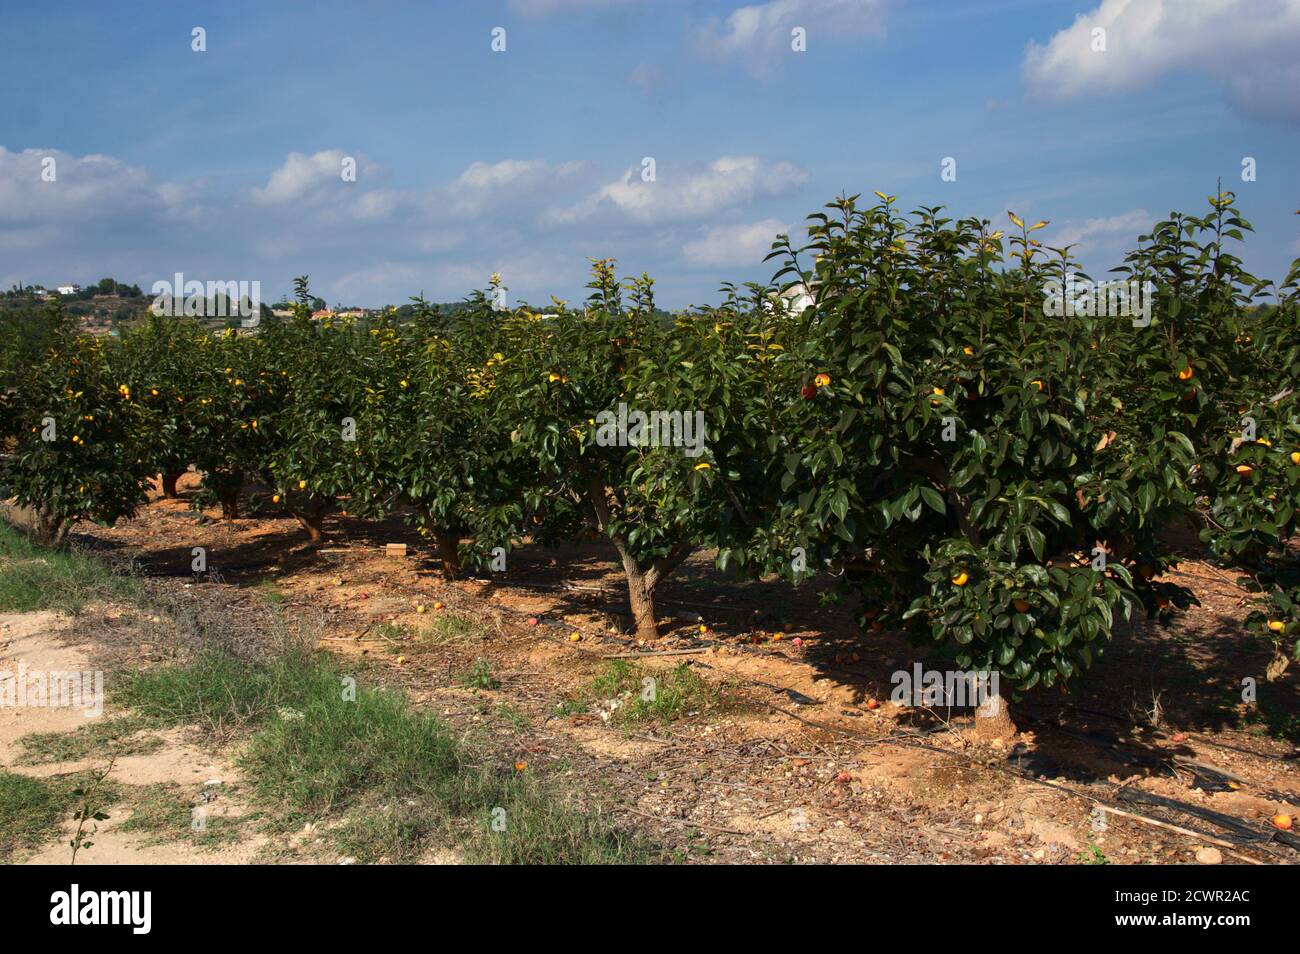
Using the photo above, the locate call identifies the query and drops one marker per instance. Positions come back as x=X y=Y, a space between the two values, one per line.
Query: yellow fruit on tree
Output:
x=960 y=579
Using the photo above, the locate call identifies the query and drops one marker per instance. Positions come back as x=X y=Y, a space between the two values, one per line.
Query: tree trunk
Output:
x=641 y=584
x=168 y=482
x=50 y=529
x=229 y=497
x=993 y=719
x=312 y=519
x=641 y=597
x=449 y=550
x=641 y=581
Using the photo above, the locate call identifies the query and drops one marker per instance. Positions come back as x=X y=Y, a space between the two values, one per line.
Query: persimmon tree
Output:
x=71 y=433
x=984 y=475
x=1247 y=363
x=322 y=373
x=570 y=394
x=446 y=453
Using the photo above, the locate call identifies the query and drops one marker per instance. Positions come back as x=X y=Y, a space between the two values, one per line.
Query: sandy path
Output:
x=40 y=642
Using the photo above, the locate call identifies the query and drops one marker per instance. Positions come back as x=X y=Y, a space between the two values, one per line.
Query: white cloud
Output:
x=1126 y=227
x=364 y=244
x=484 y=185
x=684 y=194
x=1246 y=46
x=318 y=179
x=759 y=34
x=85 y=191
x=734 y=245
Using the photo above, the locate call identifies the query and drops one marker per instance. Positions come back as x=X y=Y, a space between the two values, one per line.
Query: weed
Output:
x=627 y=693
x=479 y=676
x=93 y=799
x=1092 y=855
x=34 y=578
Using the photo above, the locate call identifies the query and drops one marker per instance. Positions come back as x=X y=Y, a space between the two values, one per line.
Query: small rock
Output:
x=1209 y=856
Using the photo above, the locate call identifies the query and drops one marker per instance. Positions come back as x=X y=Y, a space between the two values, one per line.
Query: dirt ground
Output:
x=804 y=758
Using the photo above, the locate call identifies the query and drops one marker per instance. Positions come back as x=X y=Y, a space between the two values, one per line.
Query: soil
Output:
x=804 y=758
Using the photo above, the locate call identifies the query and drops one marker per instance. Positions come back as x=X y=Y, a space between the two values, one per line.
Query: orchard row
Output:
x=988 y=476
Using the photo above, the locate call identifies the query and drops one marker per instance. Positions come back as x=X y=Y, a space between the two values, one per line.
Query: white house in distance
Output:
x=68 y=289
x=794 y=299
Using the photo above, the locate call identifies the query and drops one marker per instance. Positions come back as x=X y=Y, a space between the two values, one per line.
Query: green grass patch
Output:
x=324 y=750
x=167 y=813
x=449 y=627
x=215 y=692
x=270 y=592
x=399 y=780
x=34 y=578
x=529 y=825
x=440 y=630
x=632 y=694
x=32 y=809
x=398 y=834
x=30 y=812
x=110 y=737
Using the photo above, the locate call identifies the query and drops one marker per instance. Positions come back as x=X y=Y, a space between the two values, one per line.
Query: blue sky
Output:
x=225 y=164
